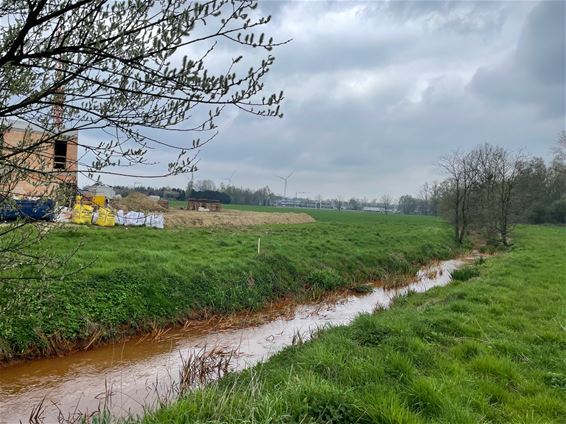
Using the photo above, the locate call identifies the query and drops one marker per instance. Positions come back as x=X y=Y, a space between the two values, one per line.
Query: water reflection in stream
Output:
x=133 y=370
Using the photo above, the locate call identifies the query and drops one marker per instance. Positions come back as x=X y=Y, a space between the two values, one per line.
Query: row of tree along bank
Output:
x=490 y=189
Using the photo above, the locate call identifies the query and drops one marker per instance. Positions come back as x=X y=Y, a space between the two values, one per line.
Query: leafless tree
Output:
x=386 y=201
x=339 y=202
x=497 y=171
x=205 y=185
x=560 y=150
x=462 y=178
x=434 y=197
x=429 y=195
x=480 y=189
x=424 y=194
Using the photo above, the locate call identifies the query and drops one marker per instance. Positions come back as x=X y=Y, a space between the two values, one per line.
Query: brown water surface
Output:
x=136 y=372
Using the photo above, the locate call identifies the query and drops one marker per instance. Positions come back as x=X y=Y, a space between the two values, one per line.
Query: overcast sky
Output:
x=376 y=92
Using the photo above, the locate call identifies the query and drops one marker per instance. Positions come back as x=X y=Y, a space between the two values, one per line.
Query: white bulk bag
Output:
x=120 y=218
x=155 y=221
x=134 y=219
x=64 y=215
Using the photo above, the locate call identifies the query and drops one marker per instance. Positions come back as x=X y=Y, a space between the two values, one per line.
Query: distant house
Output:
x=99 y=189
x=52 y=164
x=374 y=209
x=285 y=202
x=381 y=208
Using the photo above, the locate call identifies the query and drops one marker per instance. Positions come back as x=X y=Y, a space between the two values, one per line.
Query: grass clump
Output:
x=362 y=288
x=465 y=273
x=325 y=279
x=422 y=360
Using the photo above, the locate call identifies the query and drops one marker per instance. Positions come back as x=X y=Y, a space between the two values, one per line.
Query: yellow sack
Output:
x=106 y=218
x=76 y=214
x=82 y=214
x=99 y=200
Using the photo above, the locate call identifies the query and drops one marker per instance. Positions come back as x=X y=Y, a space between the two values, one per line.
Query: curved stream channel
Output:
x=136 y=372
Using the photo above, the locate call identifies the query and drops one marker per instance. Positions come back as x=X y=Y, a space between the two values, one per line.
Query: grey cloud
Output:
x=542 y=46
x=534 y=74
x=372 y=104
x=458 y=16
x=385 y=33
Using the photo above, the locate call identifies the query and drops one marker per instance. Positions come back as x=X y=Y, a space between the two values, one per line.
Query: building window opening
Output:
x=60 y=154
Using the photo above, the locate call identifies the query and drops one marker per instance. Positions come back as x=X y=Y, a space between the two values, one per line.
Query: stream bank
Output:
x=128 y=377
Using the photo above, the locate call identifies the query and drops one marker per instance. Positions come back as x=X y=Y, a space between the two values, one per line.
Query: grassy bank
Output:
x=488 y=349
x=138 y=278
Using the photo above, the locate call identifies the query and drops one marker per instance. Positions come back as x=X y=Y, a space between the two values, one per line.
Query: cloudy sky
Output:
x=376 y=92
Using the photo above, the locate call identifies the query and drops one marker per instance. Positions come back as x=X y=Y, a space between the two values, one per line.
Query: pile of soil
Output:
x=232 y=218
x=137 y=202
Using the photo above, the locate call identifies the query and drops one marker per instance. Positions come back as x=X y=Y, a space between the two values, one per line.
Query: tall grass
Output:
x=488 y=349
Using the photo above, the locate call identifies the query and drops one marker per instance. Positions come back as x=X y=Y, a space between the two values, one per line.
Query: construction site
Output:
x=137 y=210
x=49 y=192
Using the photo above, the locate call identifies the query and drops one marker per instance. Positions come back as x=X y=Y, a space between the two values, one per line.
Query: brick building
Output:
x=53 y=164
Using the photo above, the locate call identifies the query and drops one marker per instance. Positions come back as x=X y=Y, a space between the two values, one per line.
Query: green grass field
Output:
x=139 y=277
x=487 y=349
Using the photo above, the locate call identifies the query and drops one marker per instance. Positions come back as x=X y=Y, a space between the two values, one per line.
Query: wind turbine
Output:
x=229 y=179
x=285 y=186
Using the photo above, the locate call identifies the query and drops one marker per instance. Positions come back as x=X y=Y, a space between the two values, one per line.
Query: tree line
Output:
x=490 y=189
x=173 y=193
x=427 y=203
x=238 y=195
x=206 y=189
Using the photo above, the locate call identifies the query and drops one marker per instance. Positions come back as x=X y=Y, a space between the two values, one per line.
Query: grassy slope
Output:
x=490 y=349
x=143 y=275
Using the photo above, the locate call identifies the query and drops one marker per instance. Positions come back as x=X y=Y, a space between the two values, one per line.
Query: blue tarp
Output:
x=29 y=209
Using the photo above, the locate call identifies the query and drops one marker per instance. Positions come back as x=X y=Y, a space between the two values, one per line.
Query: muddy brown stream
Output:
x=139 y=370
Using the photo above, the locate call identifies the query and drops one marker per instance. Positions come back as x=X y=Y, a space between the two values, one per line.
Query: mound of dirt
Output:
x=232 y=218
x=137 y=202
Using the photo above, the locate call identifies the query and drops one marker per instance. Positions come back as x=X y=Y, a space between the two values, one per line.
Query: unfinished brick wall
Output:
x=47 y=177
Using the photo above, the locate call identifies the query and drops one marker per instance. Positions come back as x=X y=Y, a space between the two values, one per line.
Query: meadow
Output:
x=124 y=280
x=487 y=348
